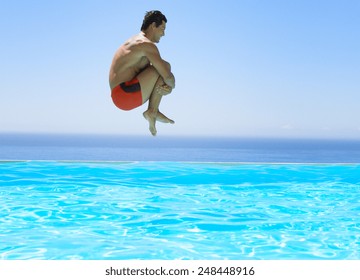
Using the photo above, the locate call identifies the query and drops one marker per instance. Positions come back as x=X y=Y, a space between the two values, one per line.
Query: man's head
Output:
x=153 y=17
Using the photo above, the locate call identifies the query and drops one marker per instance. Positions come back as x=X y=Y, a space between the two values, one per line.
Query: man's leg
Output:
x=149 y=81
x=151 y=113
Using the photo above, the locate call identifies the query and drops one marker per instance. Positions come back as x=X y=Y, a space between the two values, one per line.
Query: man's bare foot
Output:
x=162 y=118
x=151 y=117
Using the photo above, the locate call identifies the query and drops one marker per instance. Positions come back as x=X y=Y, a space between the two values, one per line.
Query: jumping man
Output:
x=138 y=73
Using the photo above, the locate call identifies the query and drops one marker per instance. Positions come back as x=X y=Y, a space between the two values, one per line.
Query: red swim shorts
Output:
x=127 y=95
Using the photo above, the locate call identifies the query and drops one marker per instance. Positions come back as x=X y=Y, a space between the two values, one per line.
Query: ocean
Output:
x=162 y=148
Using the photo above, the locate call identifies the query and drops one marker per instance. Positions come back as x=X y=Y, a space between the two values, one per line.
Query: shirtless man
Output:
x=138 y=73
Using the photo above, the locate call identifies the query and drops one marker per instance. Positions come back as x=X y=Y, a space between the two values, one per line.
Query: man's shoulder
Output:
x=138 y=43
x=145 y=44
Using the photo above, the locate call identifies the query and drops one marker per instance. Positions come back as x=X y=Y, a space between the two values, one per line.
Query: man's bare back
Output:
x=138 y=73
x=129 y=60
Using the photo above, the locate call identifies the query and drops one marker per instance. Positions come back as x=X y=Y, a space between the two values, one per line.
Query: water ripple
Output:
x=153 y=210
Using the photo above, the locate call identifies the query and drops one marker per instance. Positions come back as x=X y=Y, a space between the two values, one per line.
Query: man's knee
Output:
x=168 y=66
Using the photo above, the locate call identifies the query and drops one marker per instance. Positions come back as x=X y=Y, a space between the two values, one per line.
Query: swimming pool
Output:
x=178 y=210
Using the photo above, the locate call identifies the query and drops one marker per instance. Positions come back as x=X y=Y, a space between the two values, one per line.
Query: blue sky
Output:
x=255 y=68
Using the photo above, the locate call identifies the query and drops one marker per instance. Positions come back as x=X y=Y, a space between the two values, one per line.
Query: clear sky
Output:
x=267 y=68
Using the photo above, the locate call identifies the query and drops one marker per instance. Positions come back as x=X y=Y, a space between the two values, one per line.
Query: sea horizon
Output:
x=103 y=147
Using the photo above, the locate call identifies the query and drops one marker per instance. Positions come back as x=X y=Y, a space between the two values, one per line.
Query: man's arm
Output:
x=152 y=53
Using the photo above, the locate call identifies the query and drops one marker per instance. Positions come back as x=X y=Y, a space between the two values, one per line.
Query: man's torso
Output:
x=128 y=61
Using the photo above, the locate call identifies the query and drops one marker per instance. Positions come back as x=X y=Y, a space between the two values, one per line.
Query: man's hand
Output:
x=163 y=89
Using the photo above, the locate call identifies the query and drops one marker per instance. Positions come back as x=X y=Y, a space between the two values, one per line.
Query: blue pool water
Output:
x=178 y=210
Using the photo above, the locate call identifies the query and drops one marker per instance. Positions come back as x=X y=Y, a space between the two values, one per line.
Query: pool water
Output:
x=177 y=210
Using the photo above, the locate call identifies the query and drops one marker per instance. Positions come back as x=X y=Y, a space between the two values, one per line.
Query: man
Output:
x=138 y=73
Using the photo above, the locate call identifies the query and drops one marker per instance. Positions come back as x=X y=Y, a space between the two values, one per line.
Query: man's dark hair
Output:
x=153 y=16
